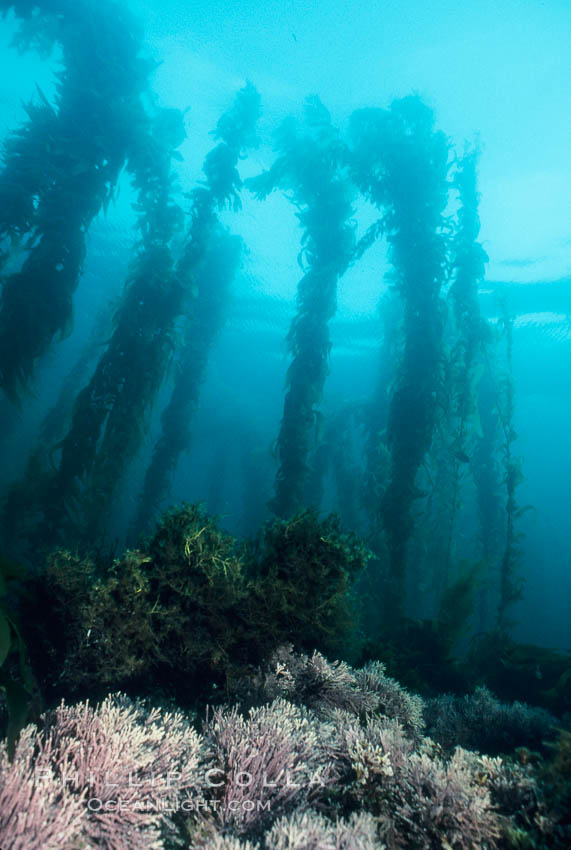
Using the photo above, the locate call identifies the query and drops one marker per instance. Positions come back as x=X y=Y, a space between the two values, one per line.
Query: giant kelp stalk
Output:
x=25 y=175
x=375 y=478
x=209 y=263
x=510 y=583
x=458 y=429
x=338 y=454
x=27 y=153
x=469 y=270
x=110 y=413
x=465 y=360
x=310 y=167
x=487 y=477
x=401 y=164
x=60 y=168
x=476 y=429
x=24 y=501
x=377 y=458
x=212 y=275
x=58 y=418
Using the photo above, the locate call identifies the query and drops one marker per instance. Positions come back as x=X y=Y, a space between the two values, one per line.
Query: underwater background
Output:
x=491 y=83
x=285 y=358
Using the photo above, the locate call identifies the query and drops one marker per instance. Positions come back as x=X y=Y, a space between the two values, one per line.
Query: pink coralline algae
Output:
x=325 y=686
x=336 y=761
x=275 y=756
x=305 y=830
x=36 y=810
x=97 y=777
x=312 y=831
x=419 y=799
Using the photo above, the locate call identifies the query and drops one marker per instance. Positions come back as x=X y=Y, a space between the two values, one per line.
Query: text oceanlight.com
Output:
x=96 y=804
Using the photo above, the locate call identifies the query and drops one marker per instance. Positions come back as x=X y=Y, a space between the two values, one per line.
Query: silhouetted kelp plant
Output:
x=110 y=410
x=62 y=166
x=401 y=164
x=210 y=262
x=193 y=614
x=310 y=166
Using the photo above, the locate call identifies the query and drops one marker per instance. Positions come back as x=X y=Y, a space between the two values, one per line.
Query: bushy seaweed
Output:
x=304 y=570
x=165 y=618
x=193 y=609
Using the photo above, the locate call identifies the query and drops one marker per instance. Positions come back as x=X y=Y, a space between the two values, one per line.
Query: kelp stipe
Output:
x=212 y=276
x=466 y=336
x=111 y=411
x=486 y=471
x=57 y=420
x=475 y=434
x=377 y=460
x=401 y=164
x=25 y=175
x=335 y=468
x=510 y=582
x=376 y=452
x=310 y=164
x=208 y=266
x=73 y=168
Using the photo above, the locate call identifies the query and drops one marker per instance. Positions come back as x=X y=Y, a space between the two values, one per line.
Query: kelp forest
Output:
x=315 y=553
